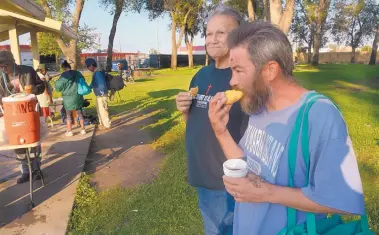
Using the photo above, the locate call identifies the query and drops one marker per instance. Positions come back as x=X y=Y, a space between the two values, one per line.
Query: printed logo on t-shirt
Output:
x=254 y=166
x=209 y=89
x=265 y=148
x=203 y=100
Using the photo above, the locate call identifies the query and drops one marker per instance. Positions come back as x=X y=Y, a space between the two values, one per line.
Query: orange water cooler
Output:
x=21 y=117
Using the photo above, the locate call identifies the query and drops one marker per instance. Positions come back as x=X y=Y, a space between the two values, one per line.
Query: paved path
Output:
x=63 y=161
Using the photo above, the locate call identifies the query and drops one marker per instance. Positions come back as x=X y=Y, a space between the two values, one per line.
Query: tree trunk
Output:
x=280 y=18
x=266 y=4
x=119 y=6
x=316 y=46
x=286 y=19
x=189 y=45
x=250 y=9
x=320 y=20
x=276 y=11
x=70 y=50
x=190 y=53
x=310 y=51
x=374 y=47
x=353 y=55
x=174 y=49
x=175 y=45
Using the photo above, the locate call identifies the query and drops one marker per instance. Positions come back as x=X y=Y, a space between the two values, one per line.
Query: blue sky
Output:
x=134 y=31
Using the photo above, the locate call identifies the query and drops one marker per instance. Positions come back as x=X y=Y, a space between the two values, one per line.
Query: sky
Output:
x=135 y=32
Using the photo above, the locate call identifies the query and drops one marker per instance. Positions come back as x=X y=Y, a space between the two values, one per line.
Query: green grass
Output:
x=168 y=205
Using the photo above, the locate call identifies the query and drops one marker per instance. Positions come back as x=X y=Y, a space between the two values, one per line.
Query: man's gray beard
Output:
x=256 y=103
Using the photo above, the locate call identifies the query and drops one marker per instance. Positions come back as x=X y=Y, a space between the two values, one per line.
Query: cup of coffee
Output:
x=235 y=168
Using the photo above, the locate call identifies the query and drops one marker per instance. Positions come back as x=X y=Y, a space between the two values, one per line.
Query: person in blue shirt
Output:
x=204 y=154
x=99 y=85
x=262 y=64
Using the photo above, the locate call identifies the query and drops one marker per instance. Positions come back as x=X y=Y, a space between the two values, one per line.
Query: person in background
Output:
x=262 y=64
x=100 y=89
x=123 y=74
x=132 y=68
x=45 y=99
x=204 y=154
x=29 y=84
x=72 y=101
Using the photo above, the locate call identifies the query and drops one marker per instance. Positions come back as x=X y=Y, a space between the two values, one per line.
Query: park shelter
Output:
x=18 y=17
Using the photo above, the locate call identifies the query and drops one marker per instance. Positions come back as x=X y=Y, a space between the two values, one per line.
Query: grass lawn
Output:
x=169 y=205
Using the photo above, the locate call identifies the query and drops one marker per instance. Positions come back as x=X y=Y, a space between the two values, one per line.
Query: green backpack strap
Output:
x=292 y=154
x=311 y=218
x=302 y=124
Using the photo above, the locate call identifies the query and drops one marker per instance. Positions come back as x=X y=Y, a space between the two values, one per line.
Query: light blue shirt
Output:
x=334 y=179
x=99 y=83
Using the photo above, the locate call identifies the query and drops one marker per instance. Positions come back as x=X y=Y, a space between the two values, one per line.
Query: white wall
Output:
x=27 y=58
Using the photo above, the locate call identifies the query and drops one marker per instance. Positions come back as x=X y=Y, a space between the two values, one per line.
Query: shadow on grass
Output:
x=144 y=80
x=129 y=205
x=156 y=114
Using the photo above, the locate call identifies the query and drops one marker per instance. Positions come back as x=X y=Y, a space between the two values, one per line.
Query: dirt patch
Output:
x=351 y=89
x=122 y=156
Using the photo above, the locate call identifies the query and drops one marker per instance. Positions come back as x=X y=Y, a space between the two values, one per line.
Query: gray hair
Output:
x=225 y=10
x=265 y=42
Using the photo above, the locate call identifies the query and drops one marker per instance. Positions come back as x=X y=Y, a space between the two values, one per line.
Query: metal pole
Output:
x=30 y=176
x=158 y=37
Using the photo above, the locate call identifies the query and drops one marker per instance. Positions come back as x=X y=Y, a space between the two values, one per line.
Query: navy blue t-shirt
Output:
x=204 y=154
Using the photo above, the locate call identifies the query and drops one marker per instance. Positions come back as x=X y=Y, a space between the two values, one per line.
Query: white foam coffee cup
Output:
x=235 y=168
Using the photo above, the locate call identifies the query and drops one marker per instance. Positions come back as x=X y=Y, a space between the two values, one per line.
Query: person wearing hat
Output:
x=30 y=83
x=99 y=85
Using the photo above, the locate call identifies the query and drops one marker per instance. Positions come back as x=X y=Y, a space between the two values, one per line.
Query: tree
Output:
x=302 y=28
x=250 y=10
x=321 y=13
x=374 y=47
x=192 y=28
x=282 y=17
x=179 y=12
x=48 y=46
x=270 y=10
x=87 y=40
x=352 y=23
x=60 y=9
x=310 y=25
x=116 y=8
